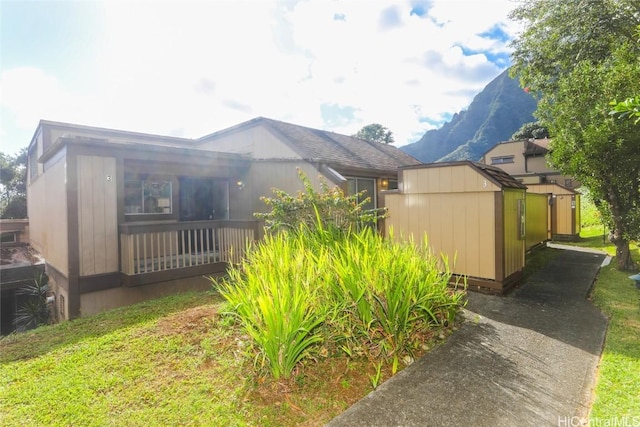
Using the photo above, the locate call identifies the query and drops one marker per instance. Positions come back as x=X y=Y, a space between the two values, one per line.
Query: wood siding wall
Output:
x=97 y=215
x=262 y=178
x=257 y=141
x=566 y=214
x=513 y=148
x=537 y=219
x=458 y=225
x=453 y=179
x=513 y=244
x=47 y=210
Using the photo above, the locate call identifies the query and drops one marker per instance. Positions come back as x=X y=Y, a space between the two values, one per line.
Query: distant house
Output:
x=121 y=217
x=525 y=160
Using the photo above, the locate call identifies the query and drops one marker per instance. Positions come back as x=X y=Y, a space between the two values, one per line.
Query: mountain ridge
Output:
x=495 y=114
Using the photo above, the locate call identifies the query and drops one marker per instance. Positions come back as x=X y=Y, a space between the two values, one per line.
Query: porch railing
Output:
x=155 y=247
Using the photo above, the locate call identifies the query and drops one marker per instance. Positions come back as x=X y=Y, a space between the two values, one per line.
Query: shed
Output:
x=564 y=210
x=470 y=212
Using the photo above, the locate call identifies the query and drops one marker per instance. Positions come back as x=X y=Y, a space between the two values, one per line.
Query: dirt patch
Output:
x=194 y=321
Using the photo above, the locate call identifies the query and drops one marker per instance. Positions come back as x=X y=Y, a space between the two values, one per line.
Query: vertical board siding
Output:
x=513 y=244
x=97 y=215
x=47 y=205
x=457 y=225
x=537 y=212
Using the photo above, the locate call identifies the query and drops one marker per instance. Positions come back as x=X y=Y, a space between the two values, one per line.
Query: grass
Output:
x=617 y=394
x=170 y=361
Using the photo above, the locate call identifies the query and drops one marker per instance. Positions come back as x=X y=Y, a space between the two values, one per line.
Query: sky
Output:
x=190 y=68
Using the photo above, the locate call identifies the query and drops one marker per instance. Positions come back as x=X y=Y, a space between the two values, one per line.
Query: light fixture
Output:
x=385 y=183
x=240 y=184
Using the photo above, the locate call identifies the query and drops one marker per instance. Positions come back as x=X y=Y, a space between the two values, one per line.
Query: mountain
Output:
x=495 y=114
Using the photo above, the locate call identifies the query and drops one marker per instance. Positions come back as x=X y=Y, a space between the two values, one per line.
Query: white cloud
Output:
x=191 y=68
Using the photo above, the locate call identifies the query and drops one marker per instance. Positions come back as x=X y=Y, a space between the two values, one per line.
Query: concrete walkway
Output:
x=526 y=359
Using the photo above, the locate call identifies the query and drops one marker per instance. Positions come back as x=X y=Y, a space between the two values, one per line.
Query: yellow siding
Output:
x=47 y=209
x=452 y=179
x=461 y=226
x=97 y=215
x=537 y=221
x=578 y=219
x=513 y=244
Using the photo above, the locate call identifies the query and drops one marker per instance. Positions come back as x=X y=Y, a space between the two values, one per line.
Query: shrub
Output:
x=274 y=293
x=35 y=311
x=354 y=291
x=329 y=207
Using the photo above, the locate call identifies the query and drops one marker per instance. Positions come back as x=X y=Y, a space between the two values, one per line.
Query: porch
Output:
x=160 y=251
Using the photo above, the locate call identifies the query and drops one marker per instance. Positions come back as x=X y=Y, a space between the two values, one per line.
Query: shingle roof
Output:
x=498 y=175
x=335 y=149
x=536 y=147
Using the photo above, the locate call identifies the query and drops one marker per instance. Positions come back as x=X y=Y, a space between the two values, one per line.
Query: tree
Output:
x=629 y=108
x=13 y=185
x=576 y=56
x=375 y=132
x=531 y=130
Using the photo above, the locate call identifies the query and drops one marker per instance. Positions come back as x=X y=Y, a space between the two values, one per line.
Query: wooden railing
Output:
x=155 y=247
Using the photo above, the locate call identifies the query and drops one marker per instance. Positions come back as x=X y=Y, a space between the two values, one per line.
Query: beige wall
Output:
x=260 y=181
x=47 y=210
x=461 y=226
x=546 y=189
x=256 y=140
x=567 y=214
x=538 y=165
x=97 y=215
x=452 y=179
x=512 y=148
x=537 y=217
x=514 y=246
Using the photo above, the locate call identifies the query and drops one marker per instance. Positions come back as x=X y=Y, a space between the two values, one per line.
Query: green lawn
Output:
x=617 y=394
x=170 y=361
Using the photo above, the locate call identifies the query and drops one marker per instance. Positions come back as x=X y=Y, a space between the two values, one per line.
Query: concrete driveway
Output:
x=526 y=359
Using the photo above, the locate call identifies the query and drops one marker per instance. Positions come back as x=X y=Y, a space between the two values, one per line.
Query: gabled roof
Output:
x=494 y=174
x=536 y=147
x=331 y=148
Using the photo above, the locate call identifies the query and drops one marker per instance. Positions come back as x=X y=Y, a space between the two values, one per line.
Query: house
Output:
x=525 y=160
x=121 y=217
x=471 y=213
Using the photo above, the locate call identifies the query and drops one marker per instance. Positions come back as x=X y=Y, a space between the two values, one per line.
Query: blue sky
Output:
x=190 y=68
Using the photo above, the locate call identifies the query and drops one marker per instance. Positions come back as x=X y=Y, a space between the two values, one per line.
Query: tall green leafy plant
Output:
x=274 y=293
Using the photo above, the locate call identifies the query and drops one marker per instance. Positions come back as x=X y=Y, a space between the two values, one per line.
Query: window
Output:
x=502 y=160
x=356 y=185
x=147 y=197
